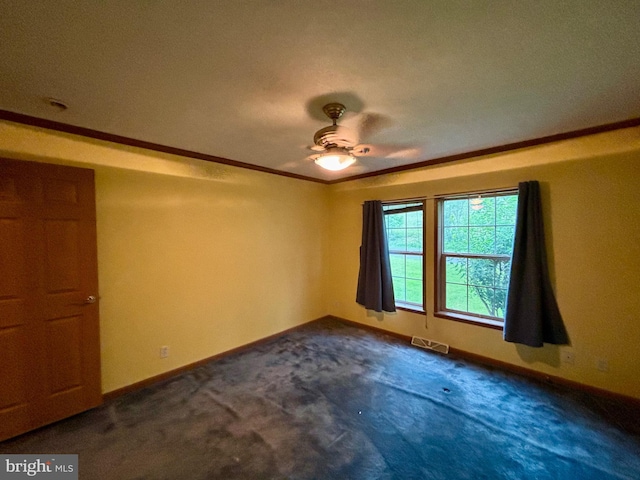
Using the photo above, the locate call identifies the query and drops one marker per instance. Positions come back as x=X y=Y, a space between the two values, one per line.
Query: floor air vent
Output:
x=430 y=344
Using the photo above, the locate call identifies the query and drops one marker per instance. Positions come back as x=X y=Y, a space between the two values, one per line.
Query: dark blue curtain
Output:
x=532 y=317
x=375 y=287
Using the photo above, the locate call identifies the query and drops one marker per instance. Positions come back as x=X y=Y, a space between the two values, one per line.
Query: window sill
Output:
x=410 y=308
x=481 y=322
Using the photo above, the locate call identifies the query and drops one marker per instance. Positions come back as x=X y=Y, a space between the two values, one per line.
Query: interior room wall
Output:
x=205 y=257
x=590 y=194
x=196 y=256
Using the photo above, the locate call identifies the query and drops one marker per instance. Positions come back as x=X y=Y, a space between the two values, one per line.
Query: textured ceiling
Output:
x=246 y=80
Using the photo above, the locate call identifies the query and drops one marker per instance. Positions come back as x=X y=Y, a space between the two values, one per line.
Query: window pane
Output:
x=456 y=297
x=405 y=233
x=395 y=221
x=397 y=239
x=456 y=270
x=481 y=301
x=481 y=272
x=503 y=270
x=482 y=211
x=414 y=239
x=397 y=265
x=504 y=240
x=414 y=291
x=456 y=213
x=476 y=226
x=482 y=240
x=398 y=289
x=500 y=301
x=414 y=219
x=506 y=209
x=456 y=240
x=414 y=267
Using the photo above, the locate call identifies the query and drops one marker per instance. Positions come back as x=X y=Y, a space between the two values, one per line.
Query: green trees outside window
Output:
x=475 y=247
x=404 y=224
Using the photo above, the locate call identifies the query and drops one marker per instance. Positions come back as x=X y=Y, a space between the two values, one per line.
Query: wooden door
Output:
x=49 y=325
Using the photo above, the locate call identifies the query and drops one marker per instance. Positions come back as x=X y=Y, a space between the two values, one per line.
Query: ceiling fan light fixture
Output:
x=477 y=203
x=335 y=159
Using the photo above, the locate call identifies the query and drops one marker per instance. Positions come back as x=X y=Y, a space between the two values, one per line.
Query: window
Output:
x=474 y=247
x=405 y=237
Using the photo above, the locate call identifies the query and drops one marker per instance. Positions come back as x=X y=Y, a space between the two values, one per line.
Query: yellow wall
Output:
x=200 y=257
x=590 y=189
x=205 y=257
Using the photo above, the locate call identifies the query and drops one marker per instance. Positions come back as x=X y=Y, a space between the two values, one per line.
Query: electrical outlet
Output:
x=568 y=357
x=602 y=364
x=164 y=352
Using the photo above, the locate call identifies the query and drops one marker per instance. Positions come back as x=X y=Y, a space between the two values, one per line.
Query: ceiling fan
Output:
x=339 y=146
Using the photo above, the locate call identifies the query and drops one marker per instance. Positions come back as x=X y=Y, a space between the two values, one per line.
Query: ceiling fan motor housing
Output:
x=334 y=135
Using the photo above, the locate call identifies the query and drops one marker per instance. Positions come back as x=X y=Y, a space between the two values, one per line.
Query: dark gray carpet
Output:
x=331 y=401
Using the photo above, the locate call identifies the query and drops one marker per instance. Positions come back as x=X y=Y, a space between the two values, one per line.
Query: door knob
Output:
x=87 y=301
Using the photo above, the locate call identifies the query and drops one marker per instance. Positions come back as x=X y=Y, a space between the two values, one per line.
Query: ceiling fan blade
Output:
x=372 y=123
x=408 y=152
x=387 y=151
x=316 y=148
x=345 y=136
x=368 y=124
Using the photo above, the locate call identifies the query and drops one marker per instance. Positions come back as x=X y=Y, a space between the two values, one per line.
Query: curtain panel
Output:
x=532 y=315
x=375 y=286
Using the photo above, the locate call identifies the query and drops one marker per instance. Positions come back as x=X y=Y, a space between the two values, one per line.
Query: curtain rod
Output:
x=458 y=194
x=478 y=192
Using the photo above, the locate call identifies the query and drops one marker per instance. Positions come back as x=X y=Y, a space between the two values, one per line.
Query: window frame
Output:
x=411 y=307
x=440 y=258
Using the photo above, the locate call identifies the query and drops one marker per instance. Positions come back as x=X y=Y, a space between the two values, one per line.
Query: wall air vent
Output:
x=430 y=344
